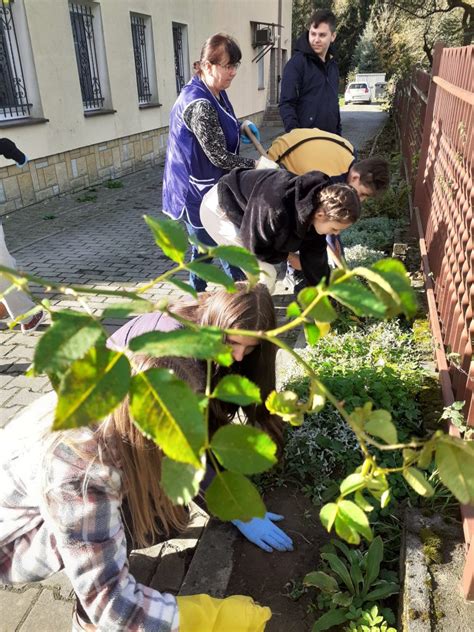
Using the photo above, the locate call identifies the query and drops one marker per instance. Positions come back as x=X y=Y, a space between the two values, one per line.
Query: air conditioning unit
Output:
x=263 y=37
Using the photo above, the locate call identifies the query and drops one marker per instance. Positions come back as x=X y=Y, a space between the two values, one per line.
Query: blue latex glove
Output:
x=254 y=129
x=265 y=534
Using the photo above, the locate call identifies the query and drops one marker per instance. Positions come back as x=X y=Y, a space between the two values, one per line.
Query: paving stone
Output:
x=15 y=605
x=48 y=614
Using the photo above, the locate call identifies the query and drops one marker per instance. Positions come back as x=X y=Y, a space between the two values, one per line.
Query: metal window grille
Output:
x=82 y=21
x=13 y=95
x=141 y=58
x=178 y=57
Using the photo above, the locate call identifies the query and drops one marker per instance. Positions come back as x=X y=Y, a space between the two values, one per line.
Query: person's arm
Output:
x=90 y=538
x=289 y=94
x=202 y=119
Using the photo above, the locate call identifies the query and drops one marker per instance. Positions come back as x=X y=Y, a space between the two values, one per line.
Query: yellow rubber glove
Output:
x=202 y=613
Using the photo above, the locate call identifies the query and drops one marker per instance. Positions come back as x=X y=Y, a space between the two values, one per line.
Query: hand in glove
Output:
x=266 y=163
x=253 y=128
x=265 y=534
x=202 y=613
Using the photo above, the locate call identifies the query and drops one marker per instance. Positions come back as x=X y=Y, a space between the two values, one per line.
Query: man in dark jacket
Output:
x=310 y=82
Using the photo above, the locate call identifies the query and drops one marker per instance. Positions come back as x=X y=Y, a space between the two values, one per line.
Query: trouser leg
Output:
x=16 y=301
x=224 y=232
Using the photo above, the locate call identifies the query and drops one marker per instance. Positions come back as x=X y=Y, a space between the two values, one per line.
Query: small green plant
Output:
x=87 y=198
x=114 y=184
x=454 y=415
x=49 y=217
x=350 y=583
x=370 y=621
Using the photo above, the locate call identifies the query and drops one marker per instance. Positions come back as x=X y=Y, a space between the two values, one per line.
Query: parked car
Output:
x=357 y=92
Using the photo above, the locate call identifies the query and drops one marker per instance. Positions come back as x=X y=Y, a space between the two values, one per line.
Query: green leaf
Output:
x=352 y=483
x=170 y=236
x=322 y=581
x=184 y=287
x=293 y=310
x=69 y=338
x=323 y=311
x=373 y=559
x=362 y=502
x=343 y=599
x=382 y=591
x=231 y=496
x=358 y=298
x=356 y=575
x=355 y=518
x=385 y=499
x=168 y=411
x=205 y=343
x=180 y=481
x=425 y=455
x=329 y=620
x=327 y=515
x=243 y=449
x=122 y=310
x=418 y=482
x=395 y=273
x=210 y=273
x=237 y=389
x=238 y=257
x=345 y=531
x=92 y=388
x=286 y=405
x=312 y=333
x=380 y=425
x=455 y=463
x=338 y=567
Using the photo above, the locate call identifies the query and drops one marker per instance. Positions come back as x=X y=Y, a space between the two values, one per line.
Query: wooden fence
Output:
x=434 y=115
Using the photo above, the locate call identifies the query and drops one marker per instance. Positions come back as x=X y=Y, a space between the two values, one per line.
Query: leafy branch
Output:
x=91 y=380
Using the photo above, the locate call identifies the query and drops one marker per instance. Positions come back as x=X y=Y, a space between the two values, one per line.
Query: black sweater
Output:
x=273 y=209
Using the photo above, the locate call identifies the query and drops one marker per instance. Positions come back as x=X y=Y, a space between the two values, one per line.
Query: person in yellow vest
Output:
x=304 y=149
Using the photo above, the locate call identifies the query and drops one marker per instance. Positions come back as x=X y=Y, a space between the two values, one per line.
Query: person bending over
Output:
x=275 y=214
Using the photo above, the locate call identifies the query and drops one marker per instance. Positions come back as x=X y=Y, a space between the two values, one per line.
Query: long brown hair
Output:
x=250 y=309
x=151 y=512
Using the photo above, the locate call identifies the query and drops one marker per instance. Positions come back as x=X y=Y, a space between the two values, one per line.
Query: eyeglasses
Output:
x=228 y=67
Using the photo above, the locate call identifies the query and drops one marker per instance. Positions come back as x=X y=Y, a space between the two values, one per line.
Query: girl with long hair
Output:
x=81 y=499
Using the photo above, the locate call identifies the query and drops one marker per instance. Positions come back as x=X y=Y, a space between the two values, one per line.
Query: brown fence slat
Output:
x=434 y=115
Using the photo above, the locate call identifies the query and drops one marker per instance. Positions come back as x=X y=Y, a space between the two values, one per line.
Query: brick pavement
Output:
x=103 y=243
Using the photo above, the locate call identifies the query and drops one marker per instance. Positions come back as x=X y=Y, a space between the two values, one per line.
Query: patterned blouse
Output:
x=201 y=118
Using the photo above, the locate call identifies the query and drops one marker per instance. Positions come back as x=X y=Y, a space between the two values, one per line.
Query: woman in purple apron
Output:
x=203 y=141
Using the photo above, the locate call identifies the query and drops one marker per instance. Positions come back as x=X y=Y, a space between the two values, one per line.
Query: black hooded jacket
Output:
x=273 y=210
x=309 y=90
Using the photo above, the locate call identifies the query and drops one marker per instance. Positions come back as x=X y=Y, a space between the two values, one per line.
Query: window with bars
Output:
x=143 y=52
x=13 y=95
x=85 y=45
x=181 y=55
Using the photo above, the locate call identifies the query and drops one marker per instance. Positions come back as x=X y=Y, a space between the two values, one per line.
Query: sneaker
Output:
x=33 y=324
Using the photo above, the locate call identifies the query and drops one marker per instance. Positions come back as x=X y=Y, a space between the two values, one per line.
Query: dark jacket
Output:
x=309 y=90
x=273 y=209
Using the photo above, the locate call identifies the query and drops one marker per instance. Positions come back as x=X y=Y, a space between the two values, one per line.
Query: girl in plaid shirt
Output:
x=79 y=500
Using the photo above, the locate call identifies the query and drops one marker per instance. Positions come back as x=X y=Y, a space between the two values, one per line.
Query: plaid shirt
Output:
x=64 y=513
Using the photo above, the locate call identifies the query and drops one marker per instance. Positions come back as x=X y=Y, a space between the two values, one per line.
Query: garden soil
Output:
x=271 y=577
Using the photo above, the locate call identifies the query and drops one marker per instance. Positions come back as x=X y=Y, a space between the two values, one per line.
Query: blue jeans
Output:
x=200 y=284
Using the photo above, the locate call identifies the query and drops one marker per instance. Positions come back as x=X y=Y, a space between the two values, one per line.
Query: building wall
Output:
x=68 y=150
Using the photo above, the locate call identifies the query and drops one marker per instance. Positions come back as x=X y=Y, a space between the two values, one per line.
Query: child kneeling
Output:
x=275 y=214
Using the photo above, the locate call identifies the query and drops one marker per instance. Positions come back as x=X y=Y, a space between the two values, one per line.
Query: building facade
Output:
x=86 y=88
